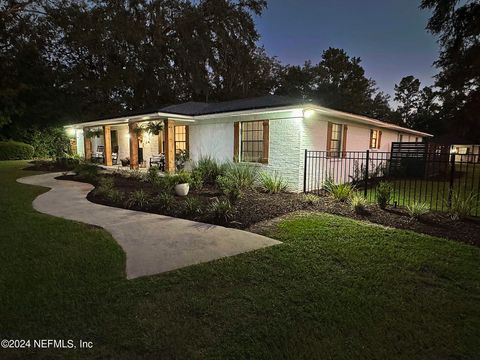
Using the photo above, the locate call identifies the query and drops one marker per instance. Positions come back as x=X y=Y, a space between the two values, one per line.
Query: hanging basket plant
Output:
x=92 y=133
x=138 y=130
x=154 y=127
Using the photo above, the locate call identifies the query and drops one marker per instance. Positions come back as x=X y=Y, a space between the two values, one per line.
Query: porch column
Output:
x=107 y=143
x=87 y=142
x=160 y=142
x=133 y=146
x=169 y=143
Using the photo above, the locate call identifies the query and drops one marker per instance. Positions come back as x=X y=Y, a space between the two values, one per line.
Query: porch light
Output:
x=308 y=113
x=71 y=132
x=145 y=117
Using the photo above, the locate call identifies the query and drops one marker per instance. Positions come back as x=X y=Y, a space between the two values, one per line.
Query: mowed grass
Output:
x=336 y=288
x=433 y=191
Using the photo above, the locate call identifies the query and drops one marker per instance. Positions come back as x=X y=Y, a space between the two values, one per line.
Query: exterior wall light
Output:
x=308 y=113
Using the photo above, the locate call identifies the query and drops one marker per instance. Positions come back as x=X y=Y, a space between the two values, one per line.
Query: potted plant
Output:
x=182 y=183
x=125 y=162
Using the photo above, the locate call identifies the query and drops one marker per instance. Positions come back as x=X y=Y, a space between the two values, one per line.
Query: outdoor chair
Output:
x=158 y=160
x=98 y=155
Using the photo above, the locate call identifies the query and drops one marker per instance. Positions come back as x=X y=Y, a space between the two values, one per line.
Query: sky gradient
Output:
x=389 y=36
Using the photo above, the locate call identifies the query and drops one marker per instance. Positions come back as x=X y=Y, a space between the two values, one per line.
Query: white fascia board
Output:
x=129 y=119
x=366 y=120
x=249 y=112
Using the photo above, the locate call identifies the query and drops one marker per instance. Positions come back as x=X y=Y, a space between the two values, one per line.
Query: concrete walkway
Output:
x=153 y=243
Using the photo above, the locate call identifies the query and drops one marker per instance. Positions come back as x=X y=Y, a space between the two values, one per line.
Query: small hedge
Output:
x=13 y=150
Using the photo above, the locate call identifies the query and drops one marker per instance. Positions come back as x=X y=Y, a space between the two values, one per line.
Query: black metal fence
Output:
x=436 y=178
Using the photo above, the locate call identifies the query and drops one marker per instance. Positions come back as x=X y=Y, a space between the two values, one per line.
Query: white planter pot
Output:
x=182 y=189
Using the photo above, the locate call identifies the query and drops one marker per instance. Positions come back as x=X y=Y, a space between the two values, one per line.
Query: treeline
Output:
x=65 y=60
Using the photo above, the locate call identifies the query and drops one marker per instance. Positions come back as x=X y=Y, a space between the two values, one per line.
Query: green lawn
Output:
x=337 y=288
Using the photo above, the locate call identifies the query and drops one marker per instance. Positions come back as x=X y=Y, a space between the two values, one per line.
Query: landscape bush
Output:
x=229 y=187
x=384 y=194
x=192 y=206
x=209 y=169
x=462 y=205
x=220 y=211
x=180 y=178
x=311 y=199
x=358 y=203
x=14 y=150
x=272 y=184
x=417 y=209
x=153 y=174
x=114 y=195
x=340 y=192
x=137 y=198
x=67 y=162
x=196 y=182
x=105 y=185
x=87 y=172
x=164 y=201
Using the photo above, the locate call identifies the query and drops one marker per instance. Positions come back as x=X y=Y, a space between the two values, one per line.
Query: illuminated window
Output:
x=180 y=138
x=373 y=139
x=336 y=140
x=251 y=141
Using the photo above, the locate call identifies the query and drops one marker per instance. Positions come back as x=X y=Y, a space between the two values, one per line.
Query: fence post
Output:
x=366 y=174
x=305 y=172
x=452 y=178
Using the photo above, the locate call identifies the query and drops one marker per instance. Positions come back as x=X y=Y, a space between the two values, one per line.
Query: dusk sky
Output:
x=389 y=36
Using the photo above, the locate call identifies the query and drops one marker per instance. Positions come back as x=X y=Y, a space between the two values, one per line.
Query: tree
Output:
x=407 y=94
x=417 y=108
x=456 y=23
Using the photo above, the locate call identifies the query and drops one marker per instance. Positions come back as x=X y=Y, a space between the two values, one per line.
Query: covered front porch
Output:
x=134 y=142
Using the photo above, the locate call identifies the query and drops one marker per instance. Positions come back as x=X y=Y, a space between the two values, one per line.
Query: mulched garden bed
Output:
x=257 y=207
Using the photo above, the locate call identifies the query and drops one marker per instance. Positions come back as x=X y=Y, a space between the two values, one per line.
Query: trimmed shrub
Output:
x=358 y=203
x=67 y=162
x=462 y=205
x=14 y=150
x=273 y=184
x=417 y=209
x=87 y=172
x=221 y=211
x=384 y=194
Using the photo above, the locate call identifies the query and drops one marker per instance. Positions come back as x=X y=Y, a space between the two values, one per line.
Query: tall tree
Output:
x=407 y=94
x=457 y=24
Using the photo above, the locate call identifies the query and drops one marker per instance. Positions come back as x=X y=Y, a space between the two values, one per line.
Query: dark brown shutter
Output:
x=379 y=139
x=266 y=141
x=329 y=138
x=344 y=141
x=236 y=139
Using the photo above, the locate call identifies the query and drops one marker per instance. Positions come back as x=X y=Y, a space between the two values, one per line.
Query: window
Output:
x=335 y=140
x=180 y=138
x=253 y=139
x=373 y=139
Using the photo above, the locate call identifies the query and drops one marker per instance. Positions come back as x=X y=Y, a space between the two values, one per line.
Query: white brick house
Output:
x=271 y=132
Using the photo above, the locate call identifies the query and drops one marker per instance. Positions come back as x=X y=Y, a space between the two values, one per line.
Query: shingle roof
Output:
x=200 y=108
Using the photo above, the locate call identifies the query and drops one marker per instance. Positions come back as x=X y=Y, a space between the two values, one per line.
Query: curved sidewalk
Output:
x=153 y=243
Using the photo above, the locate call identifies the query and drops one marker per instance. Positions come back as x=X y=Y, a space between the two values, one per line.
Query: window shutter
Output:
x=236 y=139
x=379 y=139
x=329 y=138
x=266 y=141
x=344 y=141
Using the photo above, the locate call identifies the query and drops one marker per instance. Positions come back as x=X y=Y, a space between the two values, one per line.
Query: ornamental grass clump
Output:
x=341 y=192
x=417 y=209
x=384 y=194
x=105 y=185
x=137 y=199
x=358 y=203
x=208 y=169
x=221 y=211
x=311 y=199
x=192 y=206
x=164 y=201
x=272 y=184
x=462 y=205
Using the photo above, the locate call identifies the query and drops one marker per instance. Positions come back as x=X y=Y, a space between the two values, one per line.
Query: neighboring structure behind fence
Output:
x=418 y=173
